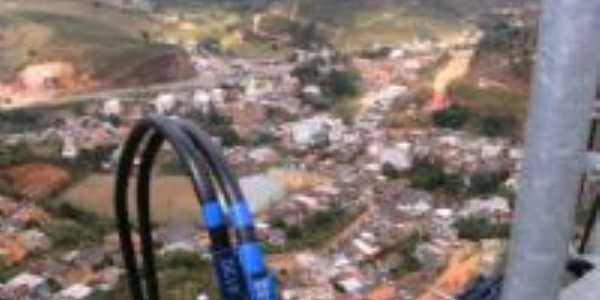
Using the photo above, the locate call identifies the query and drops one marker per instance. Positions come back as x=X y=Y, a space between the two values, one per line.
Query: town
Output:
x=369 y=177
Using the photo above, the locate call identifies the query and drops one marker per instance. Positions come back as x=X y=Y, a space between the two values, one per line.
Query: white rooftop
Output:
x=76 y=292
x=29 y=280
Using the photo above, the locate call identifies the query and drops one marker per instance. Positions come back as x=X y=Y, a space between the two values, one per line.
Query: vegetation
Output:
x=94 y=43
x=496 y=126
x=454 y=117
x=487 y=182
x=407 y=251
x=339 y=87
x=264 y=138
x=182 y=276
x=185 y=275
x=12 y=155
x=516 y=42
x=493 y=112
x=217 y=124
x=389 y=171
x=342 y=83
x=82 y=228
x=307 y=36
x=430 y=176
x=7 y=273
x=316 y=230
x=476 y=229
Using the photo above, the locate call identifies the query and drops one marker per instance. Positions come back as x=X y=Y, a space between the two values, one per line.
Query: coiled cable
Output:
x=240 y=268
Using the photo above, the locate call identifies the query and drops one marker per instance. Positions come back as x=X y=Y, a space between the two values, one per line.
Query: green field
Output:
x=350 y=24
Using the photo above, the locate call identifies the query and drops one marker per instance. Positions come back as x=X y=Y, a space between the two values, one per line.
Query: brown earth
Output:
x=166 y=65
x=11 y=251
x=463 y=267
x=37 y=181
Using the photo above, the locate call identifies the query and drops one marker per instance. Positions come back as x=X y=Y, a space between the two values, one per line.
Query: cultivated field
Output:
x=173 y=198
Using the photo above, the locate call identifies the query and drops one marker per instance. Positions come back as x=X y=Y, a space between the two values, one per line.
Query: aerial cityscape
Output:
x=379 y=143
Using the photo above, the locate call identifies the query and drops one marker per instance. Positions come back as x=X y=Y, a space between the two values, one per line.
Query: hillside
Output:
x=348 y=24
x=83 y=46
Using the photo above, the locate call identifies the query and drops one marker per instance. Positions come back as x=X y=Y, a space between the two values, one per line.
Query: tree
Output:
x=146 y=36
x=342 y=83
x=389 y=171
x=453 y=117
x=495 y=126
x=308 y=36
x=309 y=72
x=427 y=175
x=487 y=182
x=518 y=43
x=476 y=229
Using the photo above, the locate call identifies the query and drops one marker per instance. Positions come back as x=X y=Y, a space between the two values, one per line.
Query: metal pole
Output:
x=557 y=131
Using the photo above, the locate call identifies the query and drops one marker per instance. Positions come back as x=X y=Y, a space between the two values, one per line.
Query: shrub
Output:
x=427 y=175
x=308 y=36
x=264 y=138
x=406 y=250
x=12 y=155
x=184 y=275
x=430 y=176
x=454 y=117
x=229 y=137
x=454 y=184
x=81 y=228
x=317 y=228
x=476 y=229
x=346 y=109
x=68 y=234
x=389 y=171
x=495 y=126
x=308 y=73
x=342 y=83
x=487 y=182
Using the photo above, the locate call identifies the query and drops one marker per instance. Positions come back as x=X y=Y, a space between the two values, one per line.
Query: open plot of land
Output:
x=173 y=198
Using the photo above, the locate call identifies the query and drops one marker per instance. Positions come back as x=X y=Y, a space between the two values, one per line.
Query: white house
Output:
x=415 y=209
x=164 y=103
x=201 y=100
x=400 y=156
x=75 y=292
x=36 y=286
x=112 y=107
x=69 y=148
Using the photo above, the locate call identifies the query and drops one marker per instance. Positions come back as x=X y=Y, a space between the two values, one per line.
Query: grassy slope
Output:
x=96 y=39
x=352 y=23
x=363 y=23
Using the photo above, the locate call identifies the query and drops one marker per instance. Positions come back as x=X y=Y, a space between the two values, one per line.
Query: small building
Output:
x=30 y=284
x=400 y=156
x=164 y=103
x=69 y=149
x=76 y=292
x=350 y=285
x=112 y=107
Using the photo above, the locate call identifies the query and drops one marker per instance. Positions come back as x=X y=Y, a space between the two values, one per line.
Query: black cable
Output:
x=241 y=270
x=259 y=283
x=201 y=183
x=219 y=236
x=224 y=174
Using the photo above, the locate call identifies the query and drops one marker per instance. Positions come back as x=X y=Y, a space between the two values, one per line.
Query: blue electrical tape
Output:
x=260 y=284
x=241 y=215
x=213 y=214
x=251 y=258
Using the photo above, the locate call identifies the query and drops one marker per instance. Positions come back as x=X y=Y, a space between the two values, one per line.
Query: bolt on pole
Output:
x=557 y=130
